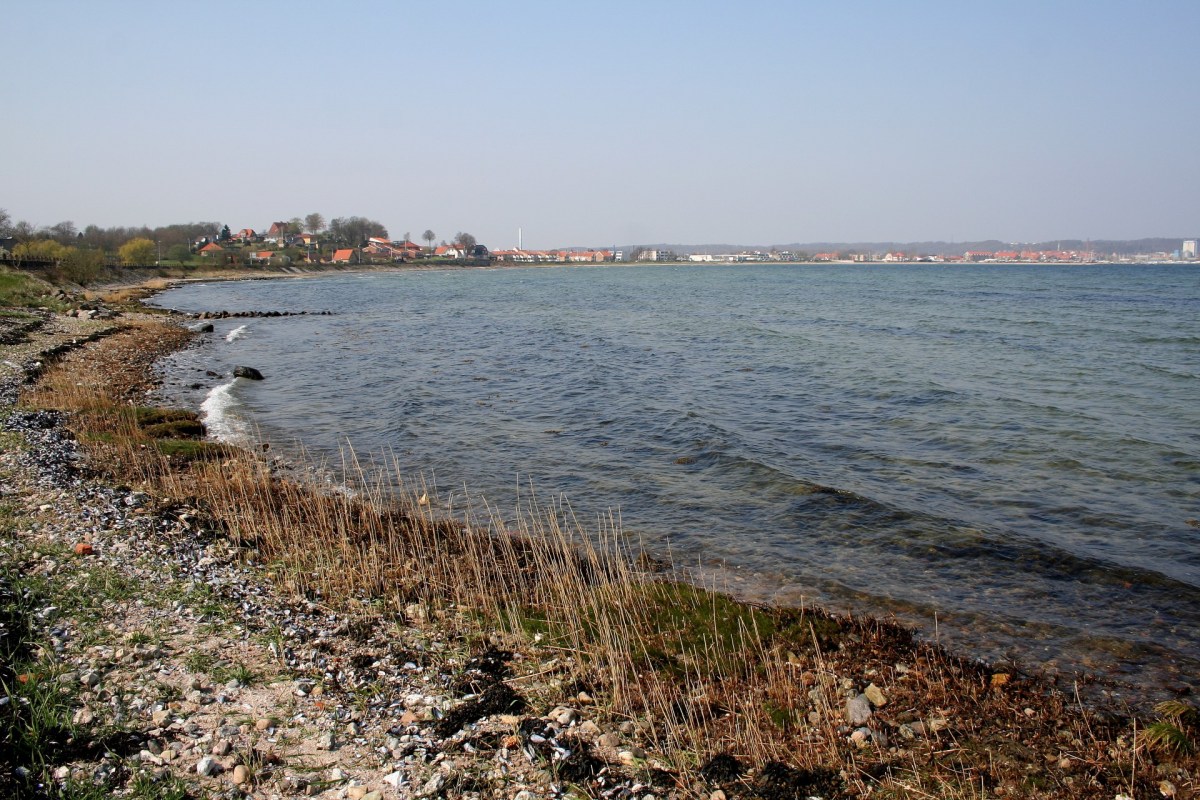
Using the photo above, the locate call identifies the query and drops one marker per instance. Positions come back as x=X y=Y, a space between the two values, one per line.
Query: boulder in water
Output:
x=249 y=373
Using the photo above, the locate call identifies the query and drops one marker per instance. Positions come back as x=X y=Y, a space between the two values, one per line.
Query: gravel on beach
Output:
x=216 y=679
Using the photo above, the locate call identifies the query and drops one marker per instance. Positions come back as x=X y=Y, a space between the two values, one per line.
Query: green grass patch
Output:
x=681 y=629
x=199 y=661
x=22 y=289
x=36 y=721
x=81 y=790
x=177 y=429
x=176 y=433
x=531 y=622
x=104 y=584
x=169 y=423
x=1176 y=730
x=686 y=628
x=36 y=711
x=800 y=630
x=167 y=787
x=786 y=719
x=224 y=673
x=182 y=452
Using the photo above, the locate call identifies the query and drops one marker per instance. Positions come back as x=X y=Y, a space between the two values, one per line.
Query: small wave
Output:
x=218 y=415
x=235 y=334
x=1167 y=339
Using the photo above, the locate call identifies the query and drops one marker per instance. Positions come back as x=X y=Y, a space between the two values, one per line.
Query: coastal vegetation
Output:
x=717 y=695
x=62 y=252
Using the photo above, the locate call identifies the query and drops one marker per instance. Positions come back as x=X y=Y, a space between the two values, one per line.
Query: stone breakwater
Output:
x=253 y=314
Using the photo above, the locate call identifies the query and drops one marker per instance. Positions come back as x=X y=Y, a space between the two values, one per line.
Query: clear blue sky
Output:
x=596 y=123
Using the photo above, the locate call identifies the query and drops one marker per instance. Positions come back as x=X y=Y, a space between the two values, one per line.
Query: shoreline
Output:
x=1012 y=689
x=150 y=285
x=1140 y=664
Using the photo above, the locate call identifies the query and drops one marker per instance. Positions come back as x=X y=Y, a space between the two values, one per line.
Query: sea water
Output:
x=1007 y=457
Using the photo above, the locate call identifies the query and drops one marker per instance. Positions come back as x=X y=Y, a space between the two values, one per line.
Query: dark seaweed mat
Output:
x=484 y=670
x=499 y=698
x=581 y=765
x=722 y=768
x=780 y=782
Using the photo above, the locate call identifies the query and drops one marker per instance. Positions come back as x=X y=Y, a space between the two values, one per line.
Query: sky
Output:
x=610 y=123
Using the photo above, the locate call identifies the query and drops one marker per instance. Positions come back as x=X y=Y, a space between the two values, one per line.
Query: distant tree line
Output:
x=106 y=239
x=84 y=255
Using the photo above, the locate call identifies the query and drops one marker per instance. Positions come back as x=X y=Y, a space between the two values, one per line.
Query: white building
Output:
x=1189 y=249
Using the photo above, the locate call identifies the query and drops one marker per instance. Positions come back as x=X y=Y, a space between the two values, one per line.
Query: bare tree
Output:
x=63 y=232
x=314 y=223
x=429 y=236
x=355 y=230
x=464 y=242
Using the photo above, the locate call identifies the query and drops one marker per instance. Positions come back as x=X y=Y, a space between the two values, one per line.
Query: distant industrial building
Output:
x=1189 y=249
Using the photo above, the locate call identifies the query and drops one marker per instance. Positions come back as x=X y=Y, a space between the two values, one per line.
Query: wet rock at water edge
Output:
x=249 y=373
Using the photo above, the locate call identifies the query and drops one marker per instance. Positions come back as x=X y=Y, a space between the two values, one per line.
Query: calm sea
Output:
x=1006 y=456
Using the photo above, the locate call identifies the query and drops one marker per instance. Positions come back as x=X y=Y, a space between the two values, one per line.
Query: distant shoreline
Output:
x=153 y=284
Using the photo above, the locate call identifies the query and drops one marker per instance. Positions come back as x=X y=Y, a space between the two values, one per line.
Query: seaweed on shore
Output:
x=499 y=698
x=483 y=670
x=778 y=781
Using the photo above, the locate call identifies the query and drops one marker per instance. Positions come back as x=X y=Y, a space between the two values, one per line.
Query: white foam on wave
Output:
x=235 y=334
x=218 y=415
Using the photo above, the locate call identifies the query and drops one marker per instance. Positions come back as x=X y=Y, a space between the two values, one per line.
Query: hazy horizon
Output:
x=611 y=123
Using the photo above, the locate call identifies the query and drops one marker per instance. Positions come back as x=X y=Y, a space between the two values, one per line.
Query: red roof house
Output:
x=278 y=230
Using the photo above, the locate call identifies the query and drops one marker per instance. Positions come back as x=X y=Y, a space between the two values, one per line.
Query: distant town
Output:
x=311 y=247
x=1187 y=252
x=85 y=255
x=941 y=253
x=279 y=246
